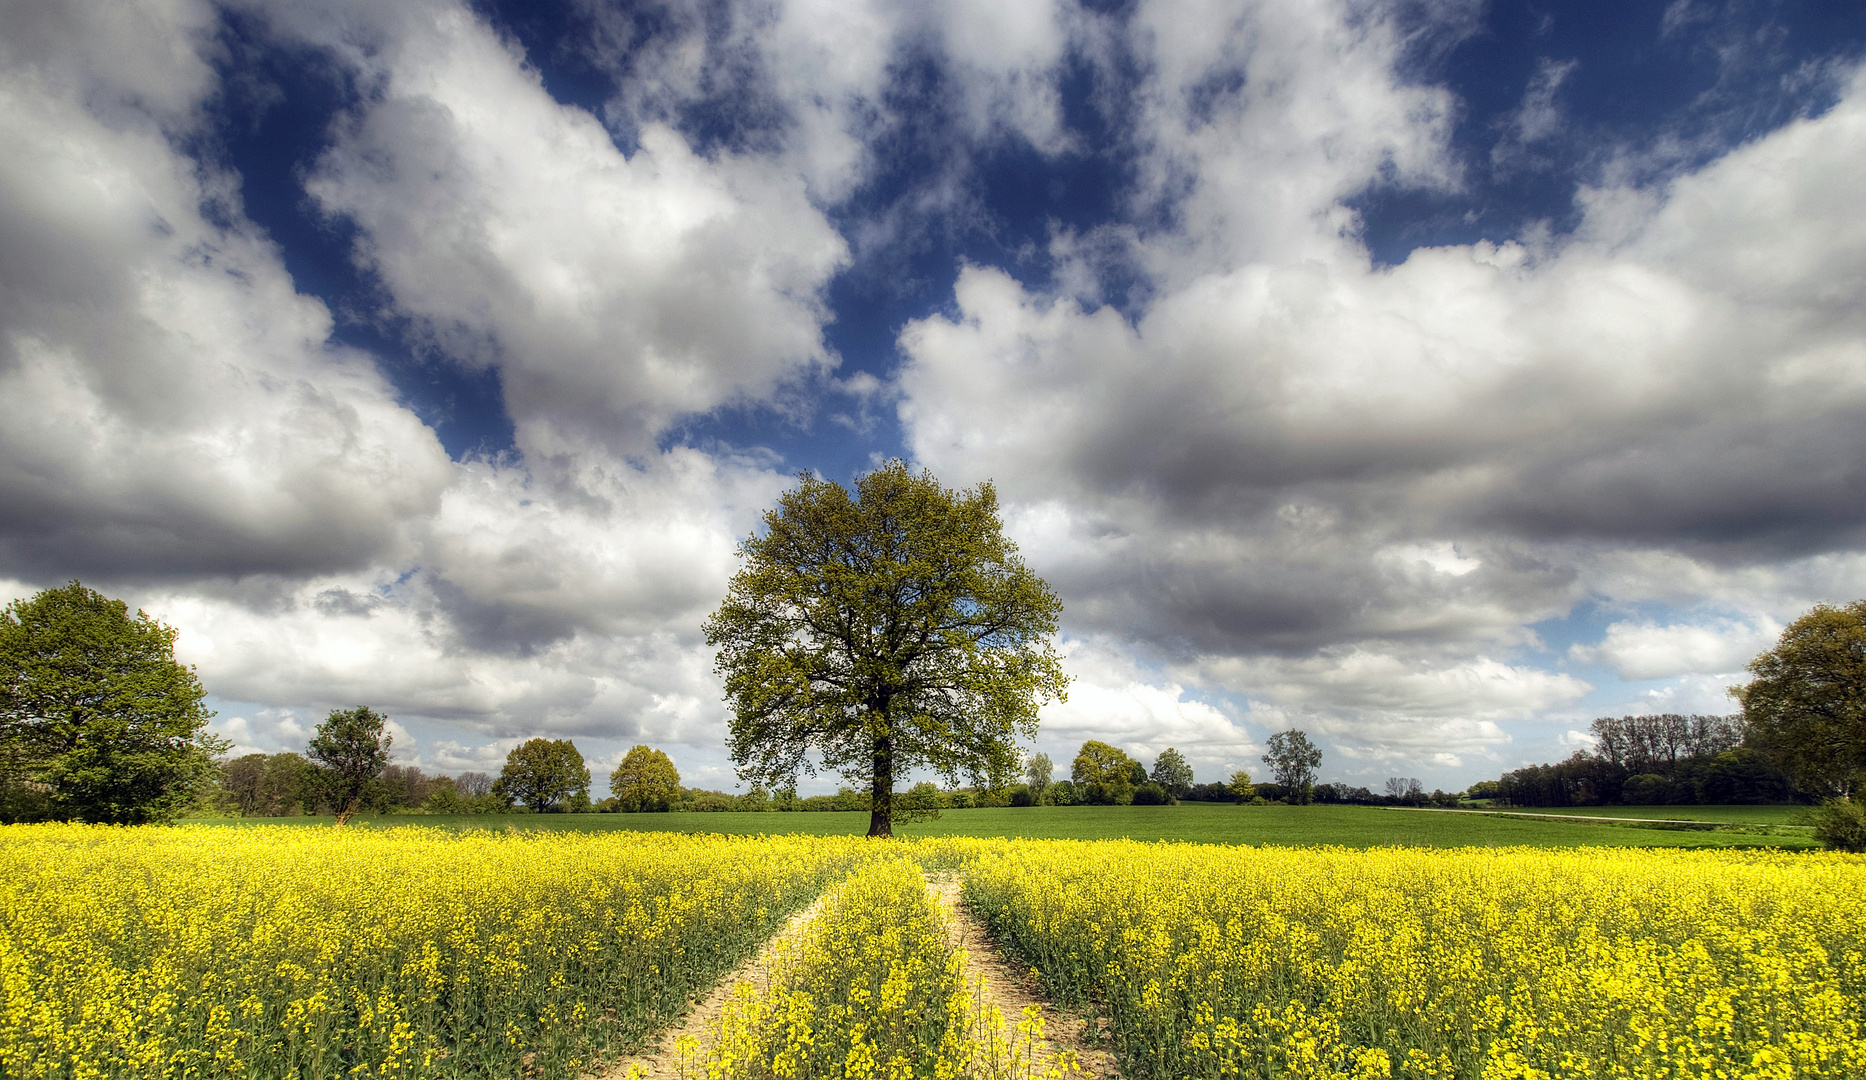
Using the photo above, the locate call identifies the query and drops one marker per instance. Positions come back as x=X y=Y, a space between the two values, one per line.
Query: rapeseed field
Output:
x=202 y=952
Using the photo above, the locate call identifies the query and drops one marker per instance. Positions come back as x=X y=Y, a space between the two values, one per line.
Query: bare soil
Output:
x=995 y=982
x=660 y=1060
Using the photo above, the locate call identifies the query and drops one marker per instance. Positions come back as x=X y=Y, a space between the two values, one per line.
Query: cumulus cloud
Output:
x=173 y=405
x=1354 y=489
x=1644 y=650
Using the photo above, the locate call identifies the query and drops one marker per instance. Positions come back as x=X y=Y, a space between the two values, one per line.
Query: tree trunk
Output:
x=881 y=794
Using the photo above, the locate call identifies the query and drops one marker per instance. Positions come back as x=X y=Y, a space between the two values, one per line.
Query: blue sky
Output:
x=1430 y=376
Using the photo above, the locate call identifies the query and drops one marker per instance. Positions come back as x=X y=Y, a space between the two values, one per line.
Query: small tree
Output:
x=1240 y=787
x=1171 y=772
x=892 y=629
x=1106 y=773
x=646 y=780
x=97 y=720
x=350 y=749
x=542 y=772
x=1807 y=704
x=1840 y=824
x=1039 y=770
x=1293 y=759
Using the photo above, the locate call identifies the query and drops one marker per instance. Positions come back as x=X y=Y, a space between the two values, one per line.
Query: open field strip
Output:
x=211 y=952
x=1474 y=964
x=162 y=952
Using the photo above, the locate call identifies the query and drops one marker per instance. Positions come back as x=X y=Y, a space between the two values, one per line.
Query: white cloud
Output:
x=1644 y=650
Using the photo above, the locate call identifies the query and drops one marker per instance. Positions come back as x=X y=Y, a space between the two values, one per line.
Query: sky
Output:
x=1432 y=376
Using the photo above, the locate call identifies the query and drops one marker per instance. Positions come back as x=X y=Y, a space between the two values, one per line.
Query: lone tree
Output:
x=1172 y=772
x=882 y=630
x=1293 y=759
x=1807 y=703
x=351 y=750
x=97 y=720
x=646 y=780
x=541 y=772
x=1106 y=771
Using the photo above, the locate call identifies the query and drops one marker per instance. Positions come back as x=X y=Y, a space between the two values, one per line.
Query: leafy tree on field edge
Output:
x=645 y=780
x=98 y=722
x=882 y=630
x=1293 y=760
x=1105 y=773
x=351 y=750
x=542 y=773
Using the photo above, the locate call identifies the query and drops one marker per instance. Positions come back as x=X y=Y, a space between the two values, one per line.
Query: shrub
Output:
x=1840 y=824
x=1152 y=794
x=1021 y=796
x=1646 y=789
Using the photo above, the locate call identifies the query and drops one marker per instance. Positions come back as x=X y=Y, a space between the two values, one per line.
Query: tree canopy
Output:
x=351 y=750
x=98 y=721
x=1293 y=759
x=646 y=780
x=1106 y=771
x=541 y=773
x=881 y=630
x=1806 y=705
x=1172 y=772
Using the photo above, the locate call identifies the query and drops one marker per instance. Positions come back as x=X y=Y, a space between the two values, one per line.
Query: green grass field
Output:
x=1211 y=823
x=1722 y=815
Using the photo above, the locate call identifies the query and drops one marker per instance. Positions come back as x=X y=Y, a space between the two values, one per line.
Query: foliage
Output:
x=1171 y=772
x=1241 y=789
x=98 y=722
x=1806 y=705
x=1840 y=824
x=1261 y=962
x=646 y=780
x=1152 y=794
x=541 y=773
x=1293 y=760
x=275 y=951
x=1104 y=773
x=1039 y=770
x=1657 y=744
x=351 y=750
x=883 y=631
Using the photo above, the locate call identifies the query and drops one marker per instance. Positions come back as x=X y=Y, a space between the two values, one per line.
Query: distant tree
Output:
x=351 y=750
x=646 y=780
x=1040 y=771
x=882 y=630
x=1484 y=789
x=474 y=785
x=1405 y=789
x=1293 y=760
x=1806 y=705
x=1171 y=772
x=1242 y=790
x=1105 y=773
x=542 y=773
x=98 y=722
x=288 y=788
x=1152 y=794
x=242 y=779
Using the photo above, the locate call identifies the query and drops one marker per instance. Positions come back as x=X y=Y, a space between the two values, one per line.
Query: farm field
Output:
x=1771 y=814
x=1209 y=823
x=430 y=952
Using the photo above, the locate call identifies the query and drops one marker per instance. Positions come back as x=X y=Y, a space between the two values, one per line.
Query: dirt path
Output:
x=994 y=982
x=661 y=1058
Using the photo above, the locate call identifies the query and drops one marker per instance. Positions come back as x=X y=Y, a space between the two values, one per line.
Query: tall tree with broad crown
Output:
x=882 y=630
x=1293 y=759
x=351 y=749
x=1172 y=772
x=1807 y=703
x=645 y=780
x=98 y=721
x=541 y=773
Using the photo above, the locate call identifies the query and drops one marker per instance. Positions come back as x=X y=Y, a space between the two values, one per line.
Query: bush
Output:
x=1021 y=796
x=1063 y=793
x=1152 y=794
x=1646 y=789
x=1840 y=824
x=1259 y=800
